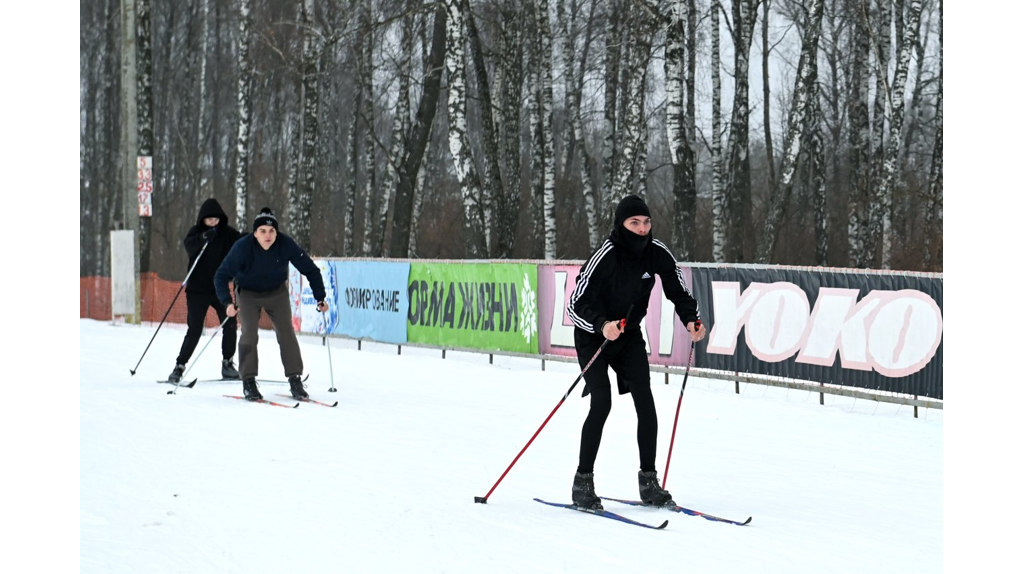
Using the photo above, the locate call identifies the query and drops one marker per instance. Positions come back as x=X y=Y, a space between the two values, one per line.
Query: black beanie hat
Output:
x=266 y=217
x=629 y=206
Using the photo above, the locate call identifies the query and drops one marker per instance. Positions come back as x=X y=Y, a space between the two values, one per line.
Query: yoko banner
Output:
x=372 y=300
x=474 y=305
x=869 y=330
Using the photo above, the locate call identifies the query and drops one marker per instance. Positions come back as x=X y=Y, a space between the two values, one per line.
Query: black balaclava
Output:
x=632 y=243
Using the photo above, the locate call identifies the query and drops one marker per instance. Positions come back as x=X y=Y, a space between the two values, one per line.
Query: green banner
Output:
x=488 y=306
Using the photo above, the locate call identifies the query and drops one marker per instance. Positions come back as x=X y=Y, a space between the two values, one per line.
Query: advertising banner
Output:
x=314 y=321
x=667 y=339
x=372 y=300
x=874 y=331
x=475 y=305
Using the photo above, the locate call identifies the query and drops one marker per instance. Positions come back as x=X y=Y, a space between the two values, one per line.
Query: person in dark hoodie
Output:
x=617 y=277
x=258 y=264
x=212 y=231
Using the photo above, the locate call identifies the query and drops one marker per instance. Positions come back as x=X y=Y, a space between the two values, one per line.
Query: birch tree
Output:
x=684 y=189
x=860 y=139
x=244 y=119
x=546 y=126
x=807 y=75
x=398 y=130
x=458 y=140
x=369 y=117
x=719 y=198
x=896 y=105
x=509 y=87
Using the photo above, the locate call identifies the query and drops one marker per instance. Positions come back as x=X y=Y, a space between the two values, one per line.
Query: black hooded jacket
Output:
x=621 y=273
x=201 y=279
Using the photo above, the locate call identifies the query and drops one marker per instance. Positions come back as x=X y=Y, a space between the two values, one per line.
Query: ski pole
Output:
x=327 y=342
x=483 y=499
x=679 y=403
x=183 y=283
x=174 y=391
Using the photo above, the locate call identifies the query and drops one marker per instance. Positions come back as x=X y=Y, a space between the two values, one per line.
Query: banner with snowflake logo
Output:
x=490 y=306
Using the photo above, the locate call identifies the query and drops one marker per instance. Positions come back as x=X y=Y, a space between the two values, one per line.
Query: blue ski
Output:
x=603 y=513
x=683 y=511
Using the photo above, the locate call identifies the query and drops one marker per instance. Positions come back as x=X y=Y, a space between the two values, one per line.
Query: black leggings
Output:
x=627 y=356
x=198 y=304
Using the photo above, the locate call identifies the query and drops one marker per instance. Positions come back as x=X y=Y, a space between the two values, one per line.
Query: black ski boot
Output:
x=298 y=392
x=251 y=390
x=175 y=376
x=228 y=370
x=583 y=492
x=651 y=492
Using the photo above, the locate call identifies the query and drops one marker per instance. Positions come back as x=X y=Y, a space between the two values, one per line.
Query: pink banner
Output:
x=667 y=340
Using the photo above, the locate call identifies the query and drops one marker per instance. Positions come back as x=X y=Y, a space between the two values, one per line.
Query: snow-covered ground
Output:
x=385 y=481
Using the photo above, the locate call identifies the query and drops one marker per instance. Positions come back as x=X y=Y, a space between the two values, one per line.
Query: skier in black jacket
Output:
x=620 y=274
x=258 y=264
x=212 y=230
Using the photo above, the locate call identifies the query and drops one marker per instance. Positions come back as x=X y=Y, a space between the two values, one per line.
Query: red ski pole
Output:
x=679 y=403
x=483 y=499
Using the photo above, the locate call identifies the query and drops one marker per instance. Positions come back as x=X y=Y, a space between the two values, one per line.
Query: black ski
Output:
x=603 y=513
x=682 y=510
x=187 y=385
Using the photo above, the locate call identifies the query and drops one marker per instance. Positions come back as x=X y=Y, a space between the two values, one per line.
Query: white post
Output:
x=122 y=273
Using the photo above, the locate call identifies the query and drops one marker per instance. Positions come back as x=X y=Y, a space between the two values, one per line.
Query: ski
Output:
x=682 y=510
x=603 y=513
x=187 y=385
x=264 y=401
x=314 y=401
x=222 y=380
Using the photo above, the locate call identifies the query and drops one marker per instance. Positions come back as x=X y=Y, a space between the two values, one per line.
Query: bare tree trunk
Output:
x=458 y=139
x=204 y=157
x=933 y=212
x=244 y=107
x=588 y=165
x=369 y=115
x=419 y=137
x=609 y=153
x=509 y=86
x=882 y=46
x=676 y=119
x=738 y=187
x=896 y=104
x=547 y=127
x=719 y=199
x=807 y=75
x=351 y=185
x=398 y=129
x=300 y=205
x=766 y=86
x=492 y=186
x=860 y=140
x=817 y=182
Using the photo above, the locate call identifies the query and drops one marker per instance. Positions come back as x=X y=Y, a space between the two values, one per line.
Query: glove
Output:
x=322 y=306
x=209 y=234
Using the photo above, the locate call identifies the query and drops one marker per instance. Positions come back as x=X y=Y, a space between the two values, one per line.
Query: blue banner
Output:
x=372 y=300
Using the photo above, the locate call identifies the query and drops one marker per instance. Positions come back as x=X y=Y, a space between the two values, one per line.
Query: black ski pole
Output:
x=195 y=359
x=679 y=403
x=483 y=499
x=183 y=283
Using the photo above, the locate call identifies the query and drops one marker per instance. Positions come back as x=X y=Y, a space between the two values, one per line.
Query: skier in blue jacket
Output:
x=258 y=265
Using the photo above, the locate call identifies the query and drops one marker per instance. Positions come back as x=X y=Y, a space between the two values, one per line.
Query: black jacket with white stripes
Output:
x=615 y=277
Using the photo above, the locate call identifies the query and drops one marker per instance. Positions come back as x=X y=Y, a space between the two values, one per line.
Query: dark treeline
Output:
x=774 y=131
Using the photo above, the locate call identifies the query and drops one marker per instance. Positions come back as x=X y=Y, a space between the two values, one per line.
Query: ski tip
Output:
x=296 y=406
x=663 y=525
x=747 y=521
x=482 y=499
x=191 y=384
